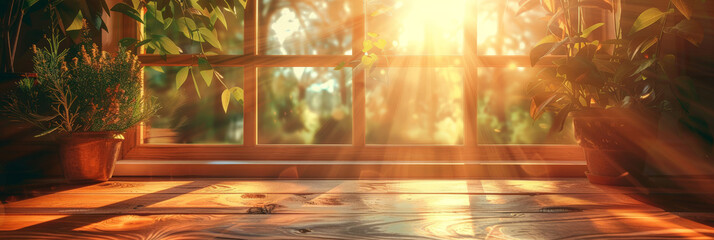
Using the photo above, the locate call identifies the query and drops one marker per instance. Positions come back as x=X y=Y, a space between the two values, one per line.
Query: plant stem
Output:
x=661 y=32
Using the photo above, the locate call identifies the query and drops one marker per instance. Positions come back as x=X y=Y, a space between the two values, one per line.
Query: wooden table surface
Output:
x=351 y=209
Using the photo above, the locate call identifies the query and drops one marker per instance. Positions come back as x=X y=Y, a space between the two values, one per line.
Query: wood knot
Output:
x=559 y=209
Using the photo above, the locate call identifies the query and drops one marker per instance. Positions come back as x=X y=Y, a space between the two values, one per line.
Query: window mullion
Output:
x=250 y=79
x=471 y=70
x=358 y=81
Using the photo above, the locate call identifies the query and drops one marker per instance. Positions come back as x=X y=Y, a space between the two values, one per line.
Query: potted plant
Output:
x=89 y=99
x=613 y=88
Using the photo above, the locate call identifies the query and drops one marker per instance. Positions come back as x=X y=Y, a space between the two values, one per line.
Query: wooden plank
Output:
x=235 y=186
x=343 y=152
x=166 y=203
x=358 y=226
x=471 y=77
x=352 y=169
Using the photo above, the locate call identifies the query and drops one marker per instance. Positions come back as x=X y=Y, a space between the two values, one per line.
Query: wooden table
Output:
x=347 y=209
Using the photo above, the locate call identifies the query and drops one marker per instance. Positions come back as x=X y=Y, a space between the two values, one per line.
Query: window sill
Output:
x=350 y=169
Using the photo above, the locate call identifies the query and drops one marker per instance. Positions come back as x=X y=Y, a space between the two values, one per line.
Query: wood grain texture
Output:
x=365 y=153
x=359 y=226
x=80 y=204
x=236 y=186
x=345 y=209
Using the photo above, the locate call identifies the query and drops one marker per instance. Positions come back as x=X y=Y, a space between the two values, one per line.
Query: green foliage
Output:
x=67 y=14
x=196 y=20
x=604 y=73
x=94 y=91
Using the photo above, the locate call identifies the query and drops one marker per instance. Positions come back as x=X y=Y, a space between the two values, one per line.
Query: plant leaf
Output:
x=237 y=93
x=225 y=99
x=689 y=30
x=590 y=29
x=128 y=10
x=683 y=7
x=646 y=19
x=648 y=44
x=28 y=3
x=47 y=132
x=367 y=45
x=165 y=44
x=210 y=37
x=527 y=5
x=559 y=120
x=243 y=3
x=544 y=49
x=644 y=65
x=76 y=22
x=206 y=70
x=181 y=76
x=340 y=66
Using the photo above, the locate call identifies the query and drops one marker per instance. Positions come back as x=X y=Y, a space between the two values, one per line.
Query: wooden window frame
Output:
x=252 y=58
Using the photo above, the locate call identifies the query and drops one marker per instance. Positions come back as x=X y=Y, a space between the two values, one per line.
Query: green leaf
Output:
x=221 y=17
x=181 y=76
x=47 y=132
x=559 y=120
x=128 y=10
x=340 y=66
x=544 y=49
x=381 y=43
x=689 y=30
x=156 y=68
x=540 y=102
x=126 y=42
x=646 y=19
x=643 y=65
x=210 y=37
x=76 y=23
x=167 y=22
x=367 y=45
x=189 y=29
x=225 y=99
x=28 y=3
x=683 y=7
x=243 y=3
x=237 y=94
x=165 y=44
x=206 y=70
x=369 y=60
x=373 y=35
x=590 y=29
x=195 y=84
x=648 y=44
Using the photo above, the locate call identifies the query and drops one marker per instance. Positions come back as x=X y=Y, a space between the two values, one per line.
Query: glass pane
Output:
x=419 y=27
x=306 y=27
x=503 y=110
x=230 y=35
x=415 y=106
x=501 y=32
x=186 y=118
x=304 y=105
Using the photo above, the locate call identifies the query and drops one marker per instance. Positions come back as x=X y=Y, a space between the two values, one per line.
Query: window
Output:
x=450 y=85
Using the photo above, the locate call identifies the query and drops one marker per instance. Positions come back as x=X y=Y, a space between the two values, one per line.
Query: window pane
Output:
x=503 y=110
x=306 y=27
x=230 y=35
x=186 y=118
x=419 y=27
x=304 y=105
x=415 y=106
x=501 y=32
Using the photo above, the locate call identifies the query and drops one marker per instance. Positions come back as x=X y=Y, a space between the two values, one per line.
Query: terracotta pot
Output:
x=90 y=156
x=614 y=142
